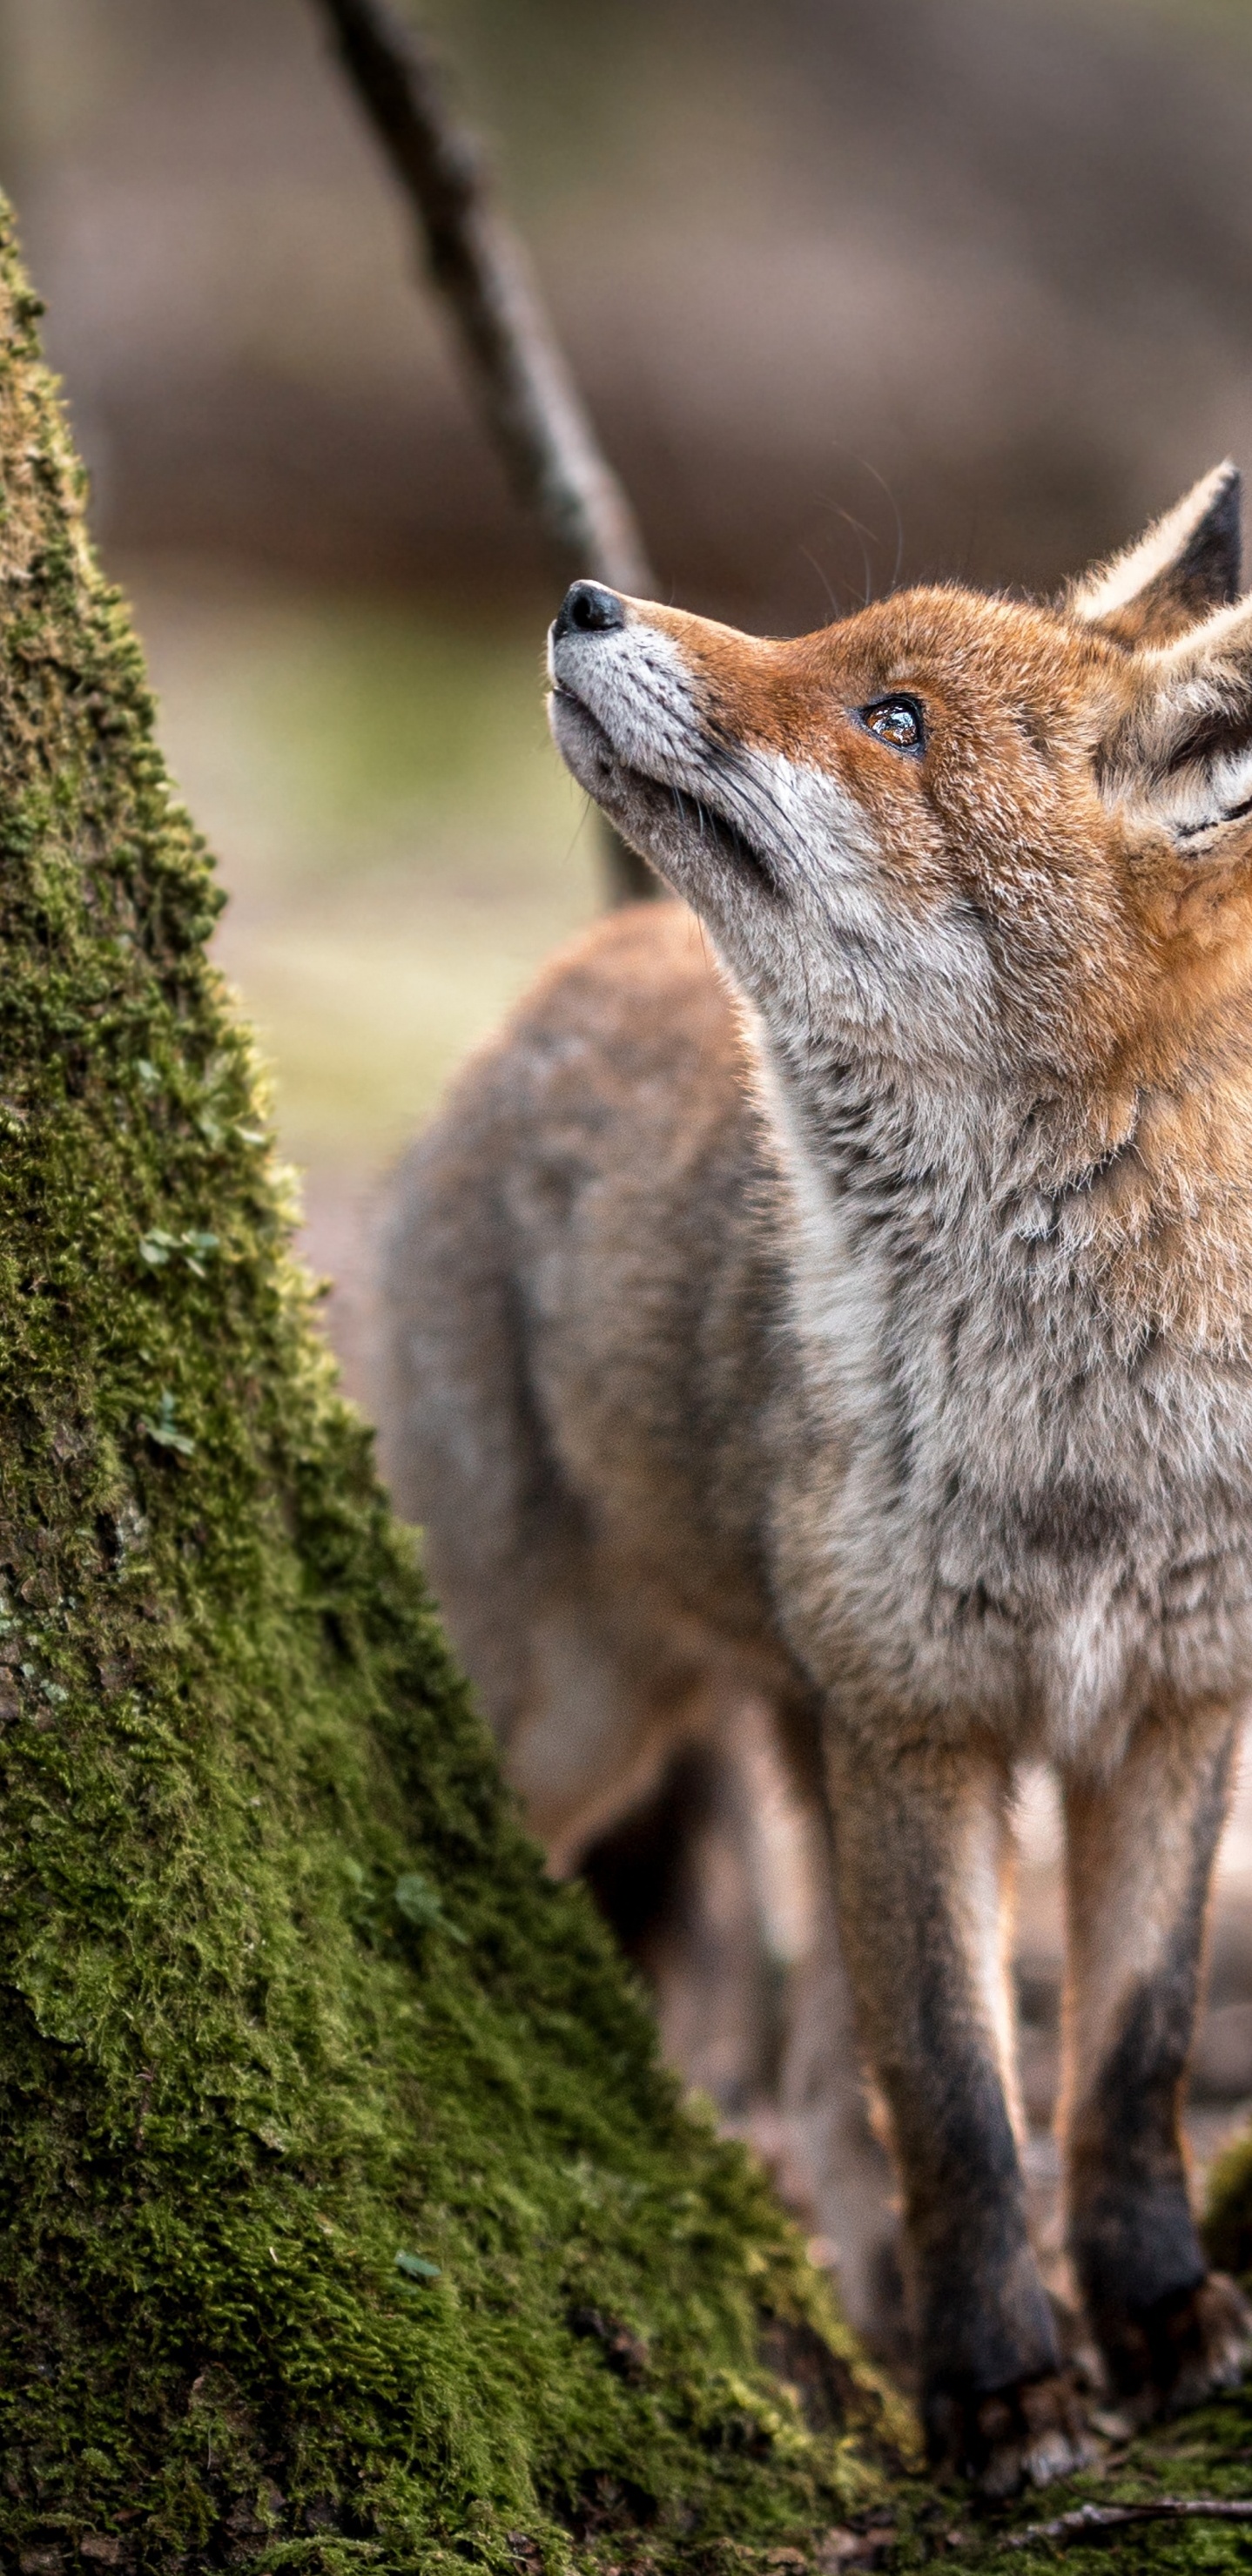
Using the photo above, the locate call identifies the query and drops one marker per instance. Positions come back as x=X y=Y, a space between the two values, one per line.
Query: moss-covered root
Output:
x=346 y=2211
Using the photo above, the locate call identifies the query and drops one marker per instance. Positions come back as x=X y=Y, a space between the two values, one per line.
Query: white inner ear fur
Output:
x=1202 y=681
x=1199 y=800
x=1114 y=585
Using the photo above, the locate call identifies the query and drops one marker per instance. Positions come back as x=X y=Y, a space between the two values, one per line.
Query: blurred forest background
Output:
x=856 y=294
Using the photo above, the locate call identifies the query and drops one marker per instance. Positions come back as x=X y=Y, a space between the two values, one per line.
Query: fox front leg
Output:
x=1140 y=1852
x=923 y=1851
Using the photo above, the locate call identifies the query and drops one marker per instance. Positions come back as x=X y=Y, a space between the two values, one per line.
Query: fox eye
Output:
x=895 y=720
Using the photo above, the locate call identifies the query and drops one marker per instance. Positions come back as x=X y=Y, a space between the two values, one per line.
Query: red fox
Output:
x=836 y=1288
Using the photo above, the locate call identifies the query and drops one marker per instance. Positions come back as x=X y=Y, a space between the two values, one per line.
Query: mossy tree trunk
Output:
x=347 y=2211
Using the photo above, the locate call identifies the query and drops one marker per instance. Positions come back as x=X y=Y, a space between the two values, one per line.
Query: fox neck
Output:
x=1117 y=1219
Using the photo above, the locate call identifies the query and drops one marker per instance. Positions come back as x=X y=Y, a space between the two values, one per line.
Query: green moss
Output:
x=347 y=2213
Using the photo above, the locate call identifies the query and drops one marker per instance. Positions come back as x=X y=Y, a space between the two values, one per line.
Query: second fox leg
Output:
x=922 y=1848
x=1140 y=1856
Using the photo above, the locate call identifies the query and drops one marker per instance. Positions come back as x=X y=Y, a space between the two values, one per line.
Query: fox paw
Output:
x=1024 y=2435
x=1184 y=2348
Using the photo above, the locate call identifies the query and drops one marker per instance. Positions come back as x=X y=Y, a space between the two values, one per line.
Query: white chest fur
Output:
x=993 y=1506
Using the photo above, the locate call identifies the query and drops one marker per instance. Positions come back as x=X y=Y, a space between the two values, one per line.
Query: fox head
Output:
x=956 y=836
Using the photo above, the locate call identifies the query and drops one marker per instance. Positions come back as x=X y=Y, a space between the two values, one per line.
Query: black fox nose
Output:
x=588 y=609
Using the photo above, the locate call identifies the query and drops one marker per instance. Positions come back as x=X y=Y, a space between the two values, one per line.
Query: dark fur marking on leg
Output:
x=1132 y=2234
x=984 y=2321
x=1134 y=2238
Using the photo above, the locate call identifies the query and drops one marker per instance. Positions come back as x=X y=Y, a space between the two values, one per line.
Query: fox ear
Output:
x=1187 y=563
x=1183 y=754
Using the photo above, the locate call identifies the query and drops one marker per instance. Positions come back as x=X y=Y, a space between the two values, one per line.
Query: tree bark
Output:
x=347 y=2212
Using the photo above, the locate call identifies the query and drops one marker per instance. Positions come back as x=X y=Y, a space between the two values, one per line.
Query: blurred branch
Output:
x=1089 y=2521
x=528 y=396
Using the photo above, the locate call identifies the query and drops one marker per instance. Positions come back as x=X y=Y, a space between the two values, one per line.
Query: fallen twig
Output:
x=1085 y=2519
x=532 y=406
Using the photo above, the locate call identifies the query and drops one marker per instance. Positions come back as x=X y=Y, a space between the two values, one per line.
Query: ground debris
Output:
x=1084 y=2520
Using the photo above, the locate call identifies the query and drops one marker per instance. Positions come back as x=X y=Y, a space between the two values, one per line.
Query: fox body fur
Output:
x=838 y=1287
